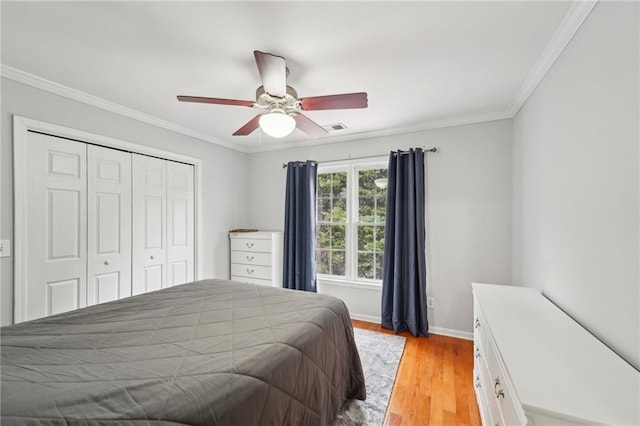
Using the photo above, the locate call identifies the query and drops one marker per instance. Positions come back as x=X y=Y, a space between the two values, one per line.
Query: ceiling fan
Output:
x=281 y=102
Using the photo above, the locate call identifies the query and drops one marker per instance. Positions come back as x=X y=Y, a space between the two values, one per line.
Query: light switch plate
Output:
x=5 y=248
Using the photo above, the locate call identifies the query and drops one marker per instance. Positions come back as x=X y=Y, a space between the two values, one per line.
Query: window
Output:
x=351 y=218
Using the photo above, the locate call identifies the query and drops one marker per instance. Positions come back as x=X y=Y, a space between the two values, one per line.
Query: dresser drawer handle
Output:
x=249 y=258
x=477 y=353
x=477 y=322
x=250 y=271
x=500 y=394
x=496 y=384
x=478 y=385
x=249 y=245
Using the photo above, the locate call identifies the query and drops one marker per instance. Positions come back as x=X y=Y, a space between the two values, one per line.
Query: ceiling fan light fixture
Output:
x=277 y=123
x=381 y=183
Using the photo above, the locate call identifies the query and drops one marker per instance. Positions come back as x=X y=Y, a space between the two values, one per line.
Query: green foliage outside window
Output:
x=332 y=220
x=333 y=223
x=371 y=217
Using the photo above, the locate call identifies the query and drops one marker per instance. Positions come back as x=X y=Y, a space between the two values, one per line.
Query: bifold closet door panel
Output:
x=149 y=223
x=56 y=224
x=180 y=223
x=108 y=224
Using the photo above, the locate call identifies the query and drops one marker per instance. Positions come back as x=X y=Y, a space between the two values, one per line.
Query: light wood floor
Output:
x=434 y=384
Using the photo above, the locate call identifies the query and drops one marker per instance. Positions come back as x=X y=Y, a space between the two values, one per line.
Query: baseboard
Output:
x=451 y=333
x=432 y=330
x=367 y=318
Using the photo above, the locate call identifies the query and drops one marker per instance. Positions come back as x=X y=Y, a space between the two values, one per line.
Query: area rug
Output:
x=380 y=355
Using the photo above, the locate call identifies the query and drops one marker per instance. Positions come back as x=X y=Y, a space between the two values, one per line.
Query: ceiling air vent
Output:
x=334 y=127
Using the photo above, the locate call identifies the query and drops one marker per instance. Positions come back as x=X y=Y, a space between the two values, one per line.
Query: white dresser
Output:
x=534 y=365
x=256 y=257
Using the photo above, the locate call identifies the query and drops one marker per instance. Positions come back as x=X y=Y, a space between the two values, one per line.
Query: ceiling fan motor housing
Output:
x=289 y=103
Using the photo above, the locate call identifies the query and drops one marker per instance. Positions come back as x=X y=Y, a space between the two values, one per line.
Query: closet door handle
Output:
x=106 y=262
x=151 y=257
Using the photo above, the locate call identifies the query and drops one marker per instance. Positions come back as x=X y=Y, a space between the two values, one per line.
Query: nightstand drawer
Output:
x=251 y=258
x=253 y=271
x=252 y=280
x=253 y=245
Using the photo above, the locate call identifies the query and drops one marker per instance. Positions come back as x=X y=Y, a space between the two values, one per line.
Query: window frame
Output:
x=352 y=167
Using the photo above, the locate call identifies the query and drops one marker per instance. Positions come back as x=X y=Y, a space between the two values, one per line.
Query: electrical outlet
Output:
x=5 y=248
x=429 y=302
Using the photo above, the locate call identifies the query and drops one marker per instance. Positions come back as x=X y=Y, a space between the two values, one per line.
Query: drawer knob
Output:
x=250 y=271
x=106 y=262
x=477 y=353
x=477 y=322
x=249 y=245
x=249 y=258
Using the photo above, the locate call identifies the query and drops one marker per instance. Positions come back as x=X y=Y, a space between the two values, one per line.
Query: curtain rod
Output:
x=434 y=149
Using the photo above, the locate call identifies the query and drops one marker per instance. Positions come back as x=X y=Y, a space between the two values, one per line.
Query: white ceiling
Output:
x=423 y=64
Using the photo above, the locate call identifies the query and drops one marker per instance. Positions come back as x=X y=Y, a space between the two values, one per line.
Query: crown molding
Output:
x=561 y=38
x=429 y=125
x=67 y=92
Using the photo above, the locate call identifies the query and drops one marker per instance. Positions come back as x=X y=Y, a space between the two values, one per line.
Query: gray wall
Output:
x=468 y=208
x=576 y=189
x=223 y=178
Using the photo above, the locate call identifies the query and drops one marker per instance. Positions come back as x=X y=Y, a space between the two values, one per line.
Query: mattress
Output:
x=212 y=352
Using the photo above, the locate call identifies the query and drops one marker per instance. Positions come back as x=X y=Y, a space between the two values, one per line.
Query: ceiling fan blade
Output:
x=249 y=127
x=344 y=101
x=309 y=126
x=273 y=71
x=218 y=101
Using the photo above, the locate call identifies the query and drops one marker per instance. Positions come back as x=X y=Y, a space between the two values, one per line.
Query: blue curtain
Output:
x=300 y=226
x=404 y=282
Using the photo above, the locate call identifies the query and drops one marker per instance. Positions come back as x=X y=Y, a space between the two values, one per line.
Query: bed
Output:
x=211 y=352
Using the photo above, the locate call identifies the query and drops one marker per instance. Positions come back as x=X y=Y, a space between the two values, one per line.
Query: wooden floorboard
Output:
x=434 y=384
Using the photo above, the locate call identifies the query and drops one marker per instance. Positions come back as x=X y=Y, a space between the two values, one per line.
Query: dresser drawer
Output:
x=489 y=398
x=252 y=280
x=253 y=271
x=480 y=330
x=510 y=407
x=495 y=371
x=251 y=245
x=502 y=388
x=481 y=398
x=251 y=258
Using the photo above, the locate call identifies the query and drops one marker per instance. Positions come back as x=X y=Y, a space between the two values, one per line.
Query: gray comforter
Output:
x=206 y=353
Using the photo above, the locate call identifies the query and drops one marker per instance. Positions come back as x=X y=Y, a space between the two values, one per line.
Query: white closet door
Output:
x=180 y=230
x=149 y=223
x=56 y=261
x=108 y=224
